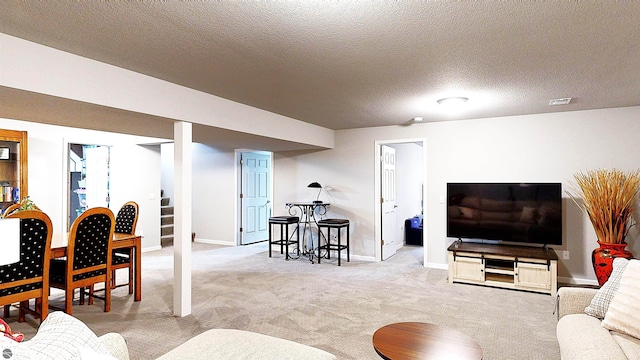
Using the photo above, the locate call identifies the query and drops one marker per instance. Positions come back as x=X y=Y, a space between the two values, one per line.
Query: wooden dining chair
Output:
x=29 y=278
x=88 y=257
x=126 y=221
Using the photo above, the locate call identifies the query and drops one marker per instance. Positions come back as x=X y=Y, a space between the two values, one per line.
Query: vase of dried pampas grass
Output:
x=608 y=199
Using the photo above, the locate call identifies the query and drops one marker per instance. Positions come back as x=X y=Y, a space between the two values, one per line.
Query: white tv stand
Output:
x=506 y=266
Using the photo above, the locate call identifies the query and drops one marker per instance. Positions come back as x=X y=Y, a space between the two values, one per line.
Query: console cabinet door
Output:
x=468 y=268
x=533 y=276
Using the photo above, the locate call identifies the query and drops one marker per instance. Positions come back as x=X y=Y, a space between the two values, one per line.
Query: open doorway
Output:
x=88 y=178
x=410 y=196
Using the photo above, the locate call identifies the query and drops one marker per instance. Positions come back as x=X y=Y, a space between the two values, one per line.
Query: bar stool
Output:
x=284 y=241
x=333 y=224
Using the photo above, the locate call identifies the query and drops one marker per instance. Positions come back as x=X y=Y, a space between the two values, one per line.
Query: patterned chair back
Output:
x=127 y=218
x=90 y=242
x=32 y=271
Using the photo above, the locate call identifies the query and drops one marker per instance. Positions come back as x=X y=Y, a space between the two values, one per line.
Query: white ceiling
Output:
x=348 y=64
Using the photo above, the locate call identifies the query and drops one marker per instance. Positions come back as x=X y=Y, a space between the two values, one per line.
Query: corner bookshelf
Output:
x=505 y=266
x=13 y=166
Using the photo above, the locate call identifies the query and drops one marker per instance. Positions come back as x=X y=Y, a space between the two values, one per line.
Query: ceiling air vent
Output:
x=560 y=101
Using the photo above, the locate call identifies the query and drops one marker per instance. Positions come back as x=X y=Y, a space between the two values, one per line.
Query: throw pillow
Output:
x=60 y=336
x=602 y=299
x=624 y=311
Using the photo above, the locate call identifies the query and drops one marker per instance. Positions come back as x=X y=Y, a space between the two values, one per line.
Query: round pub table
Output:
x=417 y=340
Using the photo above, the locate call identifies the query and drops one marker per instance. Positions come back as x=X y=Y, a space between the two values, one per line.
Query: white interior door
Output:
x=255 y=197
x=388 y=191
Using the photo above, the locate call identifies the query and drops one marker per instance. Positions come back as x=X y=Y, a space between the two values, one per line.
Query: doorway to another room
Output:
x=88 y=178
x=400 y=196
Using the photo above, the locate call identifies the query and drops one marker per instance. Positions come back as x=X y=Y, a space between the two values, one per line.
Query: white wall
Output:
x=214 y=192
x=134 y=173
x=546 y=147
x=543 y=148
x=214 y=189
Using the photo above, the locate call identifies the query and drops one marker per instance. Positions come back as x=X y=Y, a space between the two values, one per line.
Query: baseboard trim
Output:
x=151 y=248
x=574 y=281
x=361 y=258
x=213 y=242
x=437 y=266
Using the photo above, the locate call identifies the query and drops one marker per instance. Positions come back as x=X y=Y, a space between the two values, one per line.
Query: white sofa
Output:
x=601 y=323
x=64 y=337
x=237 y=344
x=582 y=337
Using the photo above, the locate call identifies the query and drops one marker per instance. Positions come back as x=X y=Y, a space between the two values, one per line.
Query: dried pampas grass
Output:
x=608 y=200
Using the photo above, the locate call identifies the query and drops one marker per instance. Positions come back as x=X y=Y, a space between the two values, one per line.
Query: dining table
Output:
x=59 y=243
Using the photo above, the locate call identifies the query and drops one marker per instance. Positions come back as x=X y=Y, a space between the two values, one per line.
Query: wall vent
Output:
x=560 y=101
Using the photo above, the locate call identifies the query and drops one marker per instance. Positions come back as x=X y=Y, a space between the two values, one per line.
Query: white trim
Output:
x=362 y=258
x=437 y=266
x=574 y=281
x=214 y=242
x=151 y=248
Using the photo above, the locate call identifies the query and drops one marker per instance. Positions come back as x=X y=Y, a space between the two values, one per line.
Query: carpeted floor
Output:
x=333 y=308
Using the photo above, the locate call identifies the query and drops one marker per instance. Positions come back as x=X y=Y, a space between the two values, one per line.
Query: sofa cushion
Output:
x=629 y=345
x=232 y=344
x=602 y=299
x=581 y=336
x=624 y=311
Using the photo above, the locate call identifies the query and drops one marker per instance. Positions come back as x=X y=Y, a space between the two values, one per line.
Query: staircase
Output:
x=166 y=221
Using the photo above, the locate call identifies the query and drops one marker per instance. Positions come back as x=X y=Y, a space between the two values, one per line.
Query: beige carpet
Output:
x=333 y=308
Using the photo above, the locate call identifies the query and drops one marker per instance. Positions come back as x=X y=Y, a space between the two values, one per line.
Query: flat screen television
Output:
x=526 y=213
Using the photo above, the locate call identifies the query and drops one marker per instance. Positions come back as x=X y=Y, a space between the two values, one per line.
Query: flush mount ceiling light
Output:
x=455 y=100
x=560 y=101
x=417 y=119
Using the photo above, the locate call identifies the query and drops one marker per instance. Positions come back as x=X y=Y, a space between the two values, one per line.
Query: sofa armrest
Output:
x=116 y=345
x=573 y=300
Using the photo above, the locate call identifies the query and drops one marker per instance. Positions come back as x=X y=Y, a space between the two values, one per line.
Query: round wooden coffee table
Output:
x=416 y=340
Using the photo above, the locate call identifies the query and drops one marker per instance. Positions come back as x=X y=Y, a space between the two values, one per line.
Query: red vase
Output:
x=603 y=256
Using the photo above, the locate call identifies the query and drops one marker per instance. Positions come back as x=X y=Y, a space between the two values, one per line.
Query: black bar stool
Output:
x=333 y=224
x=284 y=241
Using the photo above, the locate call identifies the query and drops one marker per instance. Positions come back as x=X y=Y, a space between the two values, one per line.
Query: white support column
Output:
x=182 y=134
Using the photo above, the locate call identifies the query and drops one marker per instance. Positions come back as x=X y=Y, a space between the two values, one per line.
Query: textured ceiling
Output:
x=348 y=64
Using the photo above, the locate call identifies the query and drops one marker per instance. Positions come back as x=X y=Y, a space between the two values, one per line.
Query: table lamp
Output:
x=317 y=186
x=10 y=234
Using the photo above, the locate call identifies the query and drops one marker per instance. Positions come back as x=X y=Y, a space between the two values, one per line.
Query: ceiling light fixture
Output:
x=417 y=119
x=560 y=101
x=455 y=100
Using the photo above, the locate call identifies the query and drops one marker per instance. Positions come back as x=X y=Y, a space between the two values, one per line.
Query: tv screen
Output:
x=528 y=213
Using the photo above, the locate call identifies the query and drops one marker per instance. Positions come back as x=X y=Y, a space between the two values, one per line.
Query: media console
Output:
x=506 y=266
